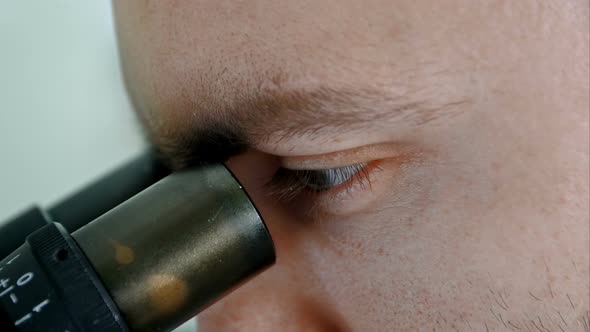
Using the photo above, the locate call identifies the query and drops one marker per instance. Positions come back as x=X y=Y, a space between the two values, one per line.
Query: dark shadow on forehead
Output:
x=213 y=143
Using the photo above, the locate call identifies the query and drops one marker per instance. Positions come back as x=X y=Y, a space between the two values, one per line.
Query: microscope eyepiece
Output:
x=147 y=265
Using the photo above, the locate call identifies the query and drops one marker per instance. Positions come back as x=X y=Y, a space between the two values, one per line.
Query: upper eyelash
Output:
x=286 y=184
x=335 y=176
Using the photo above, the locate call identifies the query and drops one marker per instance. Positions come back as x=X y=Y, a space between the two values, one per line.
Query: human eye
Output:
x=289 y=183
x=339 y=190
x=340 y=183
x=335 y=184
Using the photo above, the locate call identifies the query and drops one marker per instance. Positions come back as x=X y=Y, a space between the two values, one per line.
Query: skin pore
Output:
x=470 y=119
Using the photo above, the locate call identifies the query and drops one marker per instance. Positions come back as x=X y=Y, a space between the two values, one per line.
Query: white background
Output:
x=64 y=115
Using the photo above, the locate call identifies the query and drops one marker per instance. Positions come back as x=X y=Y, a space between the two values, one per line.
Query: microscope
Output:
x=139 y=250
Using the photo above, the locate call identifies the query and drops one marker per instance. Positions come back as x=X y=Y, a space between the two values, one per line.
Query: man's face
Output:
x=421 y=165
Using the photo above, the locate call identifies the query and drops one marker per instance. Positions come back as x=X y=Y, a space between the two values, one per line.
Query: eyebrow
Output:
x=213 y=135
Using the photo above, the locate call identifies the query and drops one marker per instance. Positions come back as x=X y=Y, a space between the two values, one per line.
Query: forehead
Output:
x=273 y=31
x=184 y=58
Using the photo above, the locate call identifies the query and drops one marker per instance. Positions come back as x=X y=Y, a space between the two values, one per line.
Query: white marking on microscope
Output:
x=25 y=278
x=13 y=298
x=41 y=305
x=7 y=290
x=23 y=319
x=12 y=260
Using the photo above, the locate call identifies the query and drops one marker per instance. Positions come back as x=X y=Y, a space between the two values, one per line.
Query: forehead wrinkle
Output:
x=280 y=115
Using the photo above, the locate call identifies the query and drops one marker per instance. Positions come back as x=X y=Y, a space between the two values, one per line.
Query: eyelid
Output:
x=344 y=158
x=384 y=167
x=287 y=184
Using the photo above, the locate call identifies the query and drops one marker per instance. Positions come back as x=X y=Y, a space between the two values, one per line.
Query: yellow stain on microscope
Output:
x=167 y=293
x=123 y=254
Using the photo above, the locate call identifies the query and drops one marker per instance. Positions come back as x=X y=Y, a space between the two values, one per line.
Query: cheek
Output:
x=391 y=260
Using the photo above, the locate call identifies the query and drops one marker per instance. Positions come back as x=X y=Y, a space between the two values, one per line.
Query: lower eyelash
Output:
x=287 y=184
